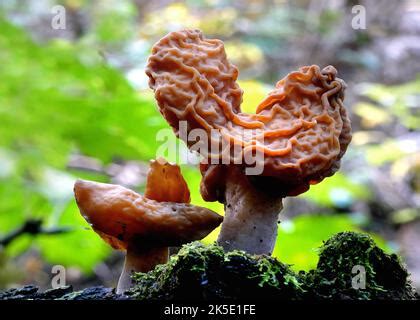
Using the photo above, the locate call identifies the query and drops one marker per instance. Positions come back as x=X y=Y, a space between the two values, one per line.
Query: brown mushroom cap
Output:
x=122 y=216
x=165 y=183
x=301 y=128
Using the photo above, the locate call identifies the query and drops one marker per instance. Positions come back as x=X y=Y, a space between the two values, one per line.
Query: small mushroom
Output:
x=144 y=227
x=165 y=183
x=300 y=132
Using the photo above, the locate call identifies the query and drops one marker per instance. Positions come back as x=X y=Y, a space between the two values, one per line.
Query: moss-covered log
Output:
x=199 y=272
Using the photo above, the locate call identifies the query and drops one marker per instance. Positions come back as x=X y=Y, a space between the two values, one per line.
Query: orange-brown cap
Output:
x=166 y=183
x=122 y=217
x=301 y=129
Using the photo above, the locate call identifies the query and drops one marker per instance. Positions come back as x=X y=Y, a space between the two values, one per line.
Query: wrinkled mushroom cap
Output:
x=121 y=217
x=301 y=128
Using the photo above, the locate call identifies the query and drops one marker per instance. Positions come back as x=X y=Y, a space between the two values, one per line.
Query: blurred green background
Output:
x=74 y=102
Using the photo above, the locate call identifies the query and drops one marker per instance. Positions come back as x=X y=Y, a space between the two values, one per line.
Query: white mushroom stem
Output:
x=140 y=261
x=251 y=217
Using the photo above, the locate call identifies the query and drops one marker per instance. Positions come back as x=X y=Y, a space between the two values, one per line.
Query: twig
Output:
x=32 y=227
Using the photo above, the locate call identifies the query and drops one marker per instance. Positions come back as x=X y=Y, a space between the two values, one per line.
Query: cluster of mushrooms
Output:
x=301 y=129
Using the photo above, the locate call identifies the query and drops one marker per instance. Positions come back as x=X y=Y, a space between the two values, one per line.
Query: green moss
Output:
x=200 y=272
x=384 y=275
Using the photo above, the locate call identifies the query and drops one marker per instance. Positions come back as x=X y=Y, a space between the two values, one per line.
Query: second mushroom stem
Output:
x=140 y=261
x=251 y=217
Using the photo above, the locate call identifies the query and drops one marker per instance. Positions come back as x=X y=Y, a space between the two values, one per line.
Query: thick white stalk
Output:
x=251 y=217
x=140 y=261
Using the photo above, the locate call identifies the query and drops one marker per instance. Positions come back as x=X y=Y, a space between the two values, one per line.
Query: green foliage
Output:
x=338 y=190
x=327 y=20
x=397 y=100
x=53 y=99
x=372 y=115
x=122 y=15
x=81 y=247
x=299 y=238
x=193 y=177
x=379 y=154
x=53 y=102
x=254 y=93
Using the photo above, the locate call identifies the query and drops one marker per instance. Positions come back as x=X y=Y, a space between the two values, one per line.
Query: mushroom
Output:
x=295 y=139
x=142 y=226
x=165 y=183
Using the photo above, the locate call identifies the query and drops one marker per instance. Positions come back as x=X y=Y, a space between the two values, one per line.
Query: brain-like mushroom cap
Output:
x=122 y=216
x=301 y=128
